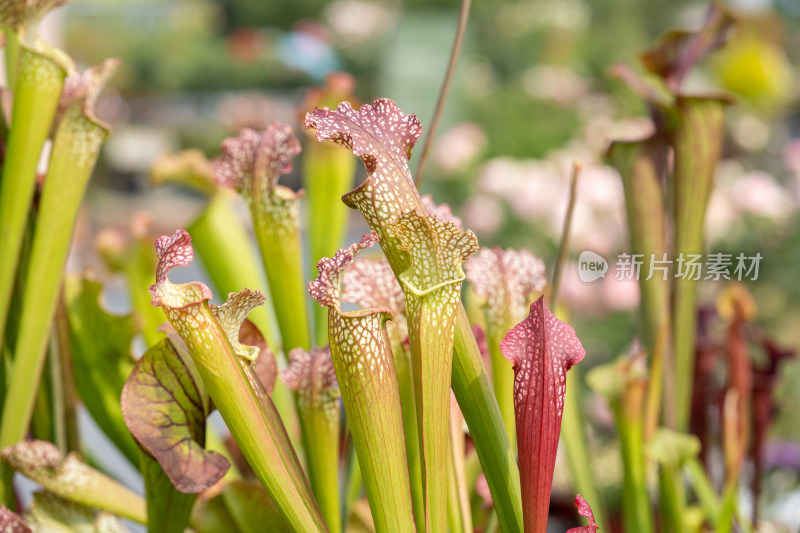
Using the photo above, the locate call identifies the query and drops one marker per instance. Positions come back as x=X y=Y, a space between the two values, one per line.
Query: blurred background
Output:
x=531 y=95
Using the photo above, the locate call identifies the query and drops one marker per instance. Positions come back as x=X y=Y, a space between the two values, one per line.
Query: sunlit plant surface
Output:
x=369 y=398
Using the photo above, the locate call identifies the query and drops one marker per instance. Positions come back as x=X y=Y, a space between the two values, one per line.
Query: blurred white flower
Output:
x=359 y=24
x=459 y=147
x=553 y=82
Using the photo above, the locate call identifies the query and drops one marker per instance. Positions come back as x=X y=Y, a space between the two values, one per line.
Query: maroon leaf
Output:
x=584 y=510
x=11 y=522
x=678 y=51
x=165 y=406
x=542 y=349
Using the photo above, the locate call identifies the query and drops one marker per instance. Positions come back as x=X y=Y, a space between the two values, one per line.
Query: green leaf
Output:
x=71 y=478
x=165 y=407
x=251 y=164
x=383 y=137
x=241 y=507
x=311 y=375
x=368 y=383
x=168 y=509
x=101 y=350
x=38 y=88
x=432 y=286
x=328 y=173
x=76 y=145
x=213 y=342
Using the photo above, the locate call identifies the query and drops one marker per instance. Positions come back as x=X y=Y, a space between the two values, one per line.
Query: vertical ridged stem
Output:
x=402 y=361
x=225 y=248
x=431 y=361
x=281 y=253
x=328 y=173
x=503 y=378
x=473 y=390
x=321 y=438
x=371 y=397
x=697 y=141
x=636 y=513
x=75 y=149
x=252 y=418
x=36 y=96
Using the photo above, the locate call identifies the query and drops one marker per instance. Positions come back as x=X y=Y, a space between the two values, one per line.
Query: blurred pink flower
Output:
x=483 y=215
x=791 y=156
x=758 y=193
x=459 y=147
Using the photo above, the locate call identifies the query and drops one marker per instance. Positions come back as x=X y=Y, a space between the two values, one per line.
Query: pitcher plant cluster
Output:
x=448 y=420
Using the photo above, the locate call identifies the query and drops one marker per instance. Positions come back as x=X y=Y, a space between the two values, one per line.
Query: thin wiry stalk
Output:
x=463 y=17
x=563 y=246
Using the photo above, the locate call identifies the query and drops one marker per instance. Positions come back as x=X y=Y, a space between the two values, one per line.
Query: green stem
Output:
x=503 y=380
x=673 y=500
x=227 y=253
x=281 y=253
x=253 y=420
x=225 y=248
x=11 y=47
x=727 y=509
x=36 y=96
x=458 y=490
x=637 y=515
x=697 y=141
x=328 y=172
x=75 y=149
x=405 y=381
x=167 y=509
x=573 y=436
x=473 y=390
x=321 y=442
x=704 y=490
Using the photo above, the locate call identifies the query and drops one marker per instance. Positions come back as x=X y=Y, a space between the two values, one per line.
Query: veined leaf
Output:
x=368 y=383
x=165 y=406
x=71 y=478
x=382 y=137
x=542 y=349
x=211 y=334
x=312 y=376
x=432 y=286
x=11 y=522
x=251 y=164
